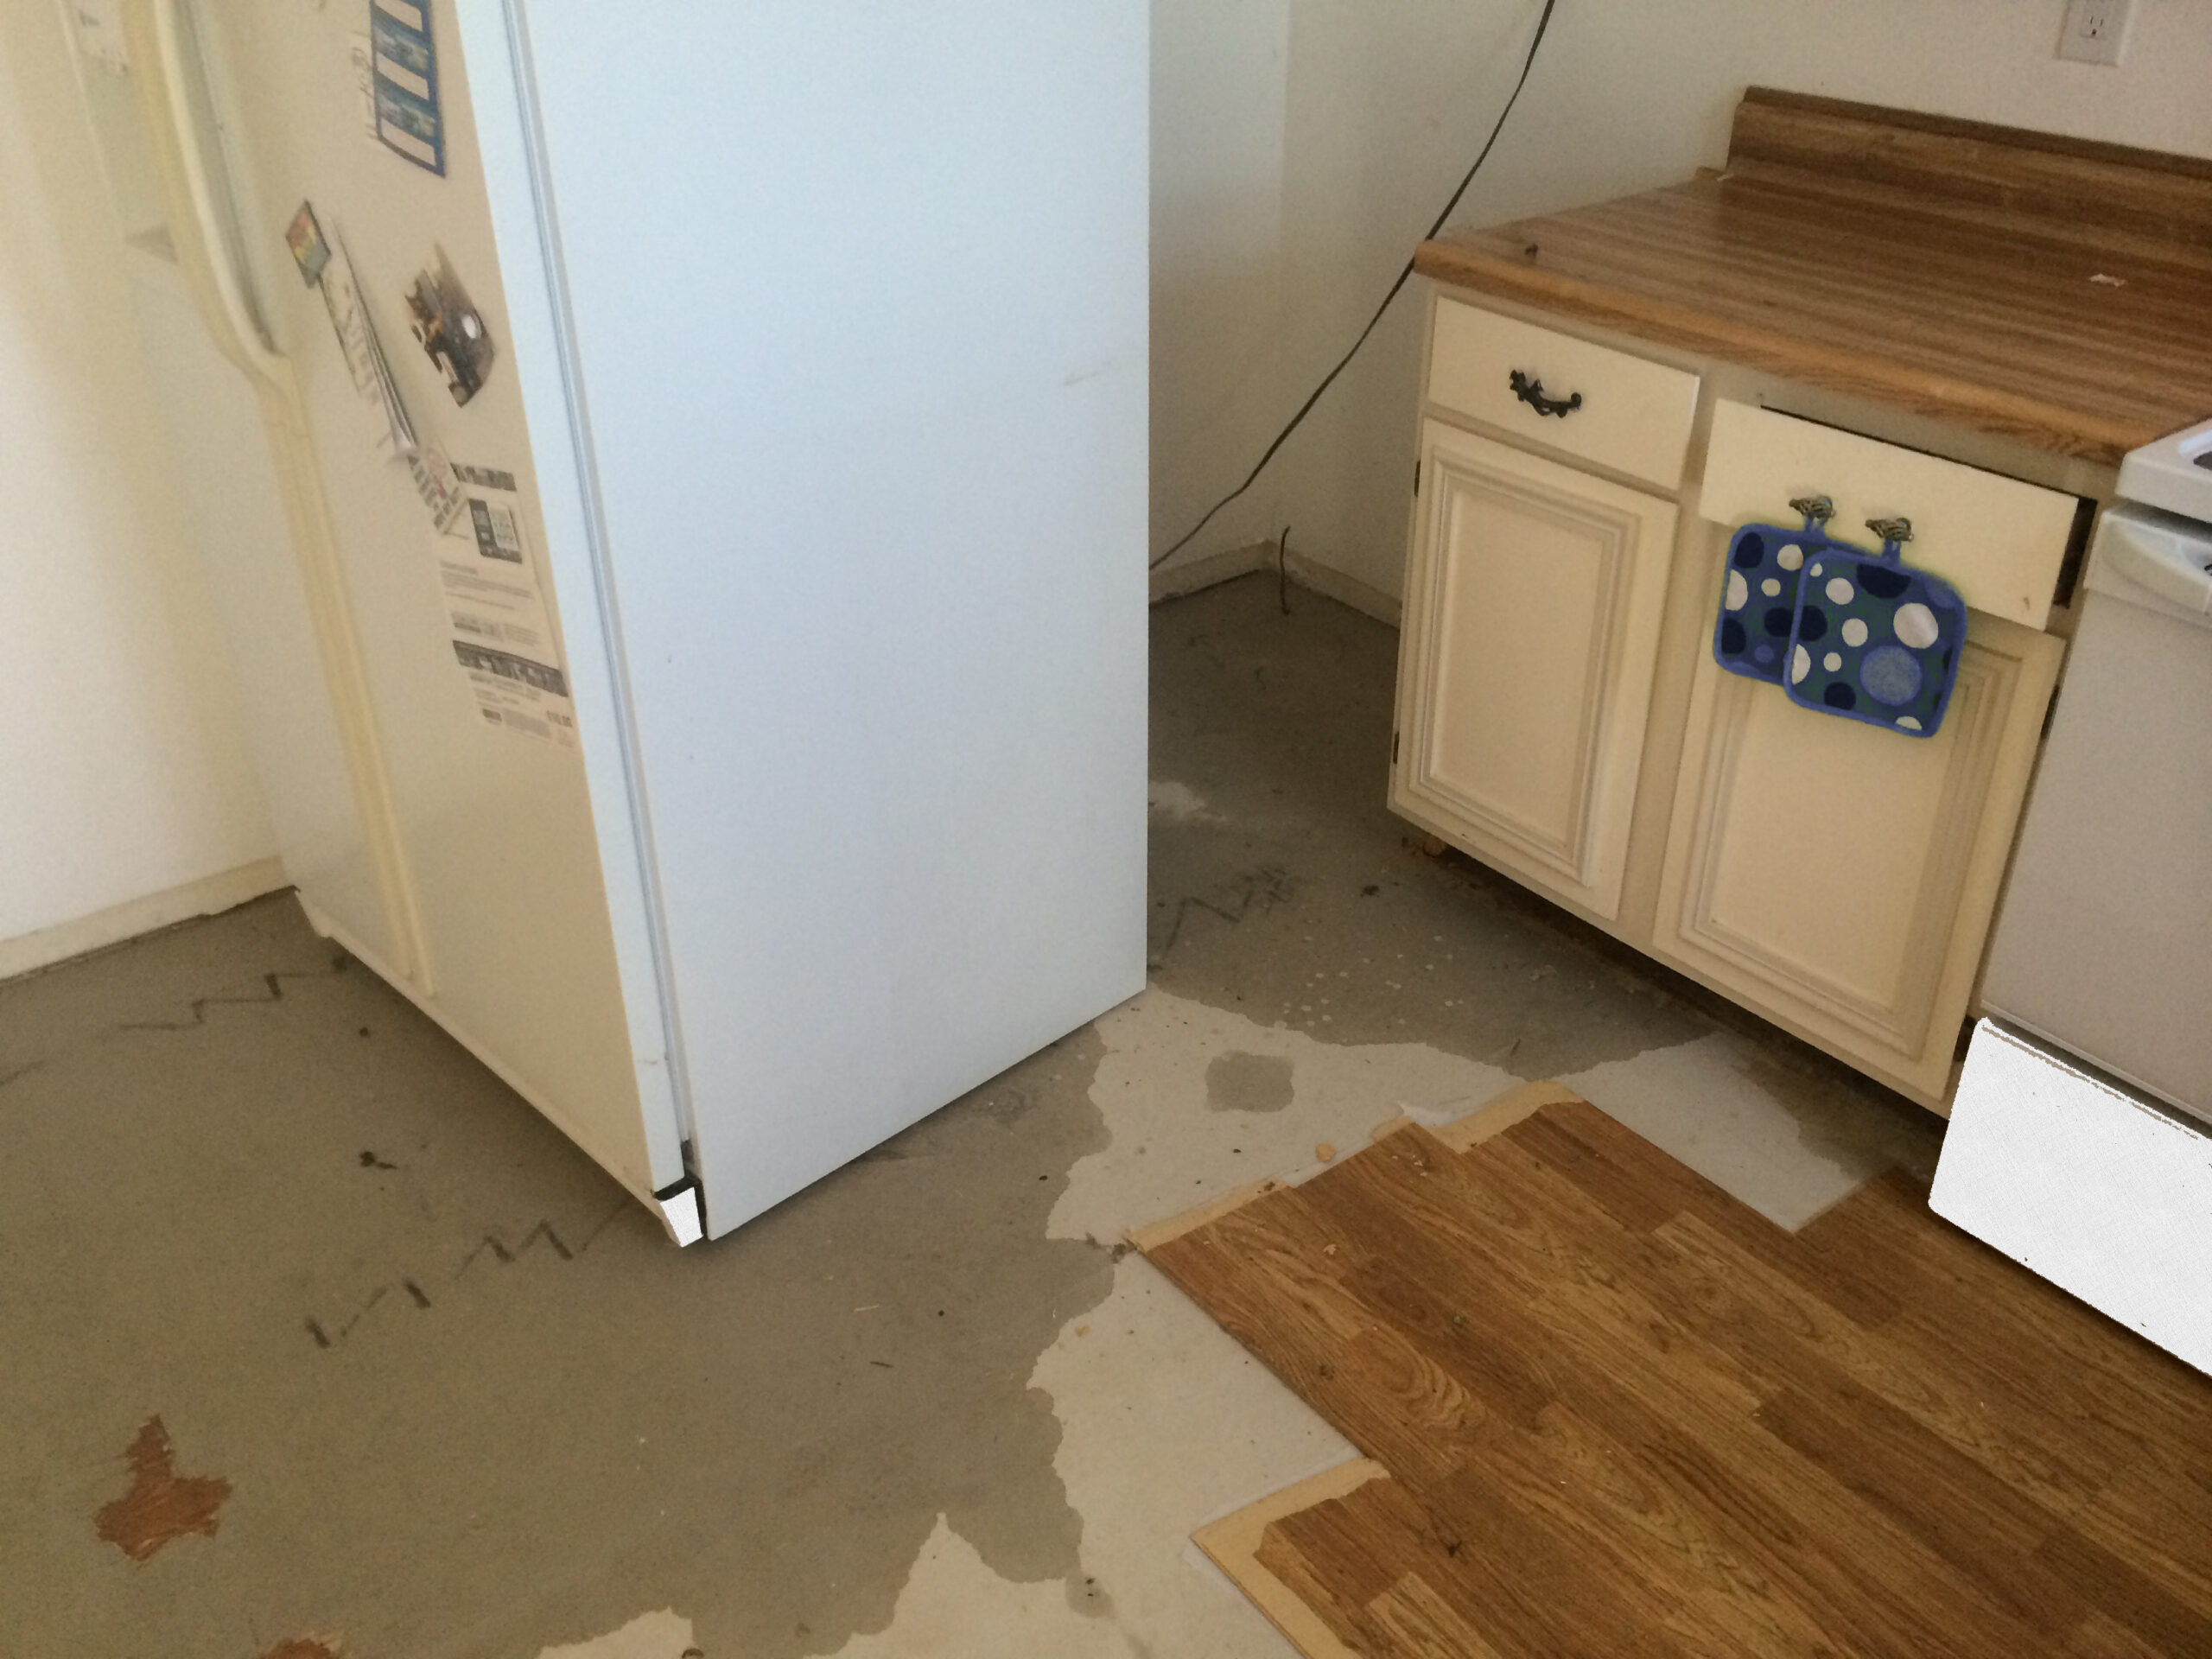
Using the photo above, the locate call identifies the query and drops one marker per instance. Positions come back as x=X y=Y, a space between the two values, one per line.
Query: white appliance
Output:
x=810 y=460
x=2104 y=945
x=2080 y=1135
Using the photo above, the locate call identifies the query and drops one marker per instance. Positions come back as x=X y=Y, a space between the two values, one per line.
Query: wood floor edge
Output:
x=1151 y=1235
x=1494 y=1116
x=1232 y=1543
x=1502 y=1112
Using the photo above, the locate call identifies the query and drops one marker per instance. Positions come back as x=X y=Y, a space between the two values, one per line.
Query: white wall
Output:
x=1300 y=147
x=123 y=771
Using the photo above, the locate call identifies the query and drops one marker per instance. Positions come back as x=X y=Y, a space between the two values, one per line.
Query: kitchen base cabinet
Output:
x=1560 y=716
x=1839 y=878
x=1532 y=618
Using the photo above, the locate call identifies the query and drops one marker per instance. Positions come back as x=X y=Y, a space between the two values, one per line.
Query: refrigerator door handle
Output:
x=157 y=30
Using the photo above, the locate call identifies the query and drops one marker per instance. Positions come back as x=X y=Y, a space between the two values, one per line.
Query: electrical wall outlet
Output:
x=2096 y=30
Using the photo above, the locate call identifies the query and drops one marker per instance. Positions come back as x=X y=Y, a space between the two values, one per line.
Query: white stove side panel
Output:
x=2102 y=1194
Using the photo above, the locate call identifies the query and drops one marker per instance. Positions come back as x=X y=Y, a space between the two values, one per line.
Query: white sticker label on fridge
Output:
x=365 y=358
x=500 y=625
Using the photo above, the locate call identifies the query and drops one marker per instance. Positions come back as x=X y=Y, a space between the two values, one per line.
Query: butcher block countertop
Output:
x=2047 y=289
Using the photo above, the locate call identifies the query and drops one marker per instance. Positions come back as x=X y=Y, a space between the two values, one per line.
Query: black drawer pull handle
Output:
x=1531 y=392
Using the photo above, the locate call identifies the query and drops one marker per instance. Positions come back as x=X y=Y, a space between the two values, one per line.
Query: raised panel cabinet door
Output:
x=1839 y=877
x=1532 y=601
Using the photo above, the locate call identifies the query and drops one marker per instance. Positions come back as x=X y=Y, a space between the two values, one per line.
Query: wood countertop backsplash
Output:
x=2048 y=289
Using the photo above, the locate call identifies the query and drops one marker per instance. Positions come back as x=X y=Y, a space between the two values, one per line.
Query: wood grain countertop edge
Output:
x=1863 y=372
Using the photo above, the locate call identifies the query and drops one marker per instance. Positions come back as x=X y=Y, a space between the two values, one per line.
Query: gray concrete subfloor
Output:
x=464 y=1399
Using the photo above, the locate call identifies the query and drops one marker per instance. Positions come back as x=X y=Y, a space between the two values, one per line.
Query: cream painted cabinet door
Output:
x=1532 y=599
x=1839 y=878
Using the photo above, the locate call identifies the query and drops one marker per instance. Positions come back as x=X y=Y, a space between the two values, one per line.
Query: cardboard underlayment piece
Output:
x=1232 y=1544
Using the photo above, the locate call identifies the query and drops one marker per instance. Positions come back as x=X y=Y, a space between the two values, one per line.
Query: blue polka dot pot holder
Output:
x=1864 y=635
x=1758 y=599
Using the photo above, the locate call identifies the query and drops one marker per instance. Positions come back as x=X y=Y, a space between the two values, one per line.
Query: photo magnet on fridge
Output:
x=310 y=248
x=405 y=65
x=448 y=328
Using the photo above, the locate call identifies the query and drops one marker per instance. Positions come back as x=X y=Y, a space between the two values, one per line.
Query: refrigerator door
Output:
x=857 y=303
x=233 y=413
x=527 y=892
x=234 y=502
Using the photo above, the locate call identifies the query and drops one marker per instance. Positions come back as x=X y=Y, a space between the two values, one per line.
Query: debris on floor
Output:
x=162 y=1505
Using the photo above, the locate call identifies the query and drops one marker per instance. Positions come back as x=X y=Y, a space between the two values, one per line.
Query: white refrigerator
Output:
x=686 y=574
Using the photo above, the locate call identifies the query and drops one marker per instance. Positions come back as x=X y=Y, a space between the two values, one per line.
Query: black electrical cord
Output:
x=1404 y=276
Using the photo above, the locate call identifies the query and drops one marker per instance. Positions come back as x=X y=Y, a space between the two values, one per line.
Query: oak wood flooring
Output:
x=1623 y=1414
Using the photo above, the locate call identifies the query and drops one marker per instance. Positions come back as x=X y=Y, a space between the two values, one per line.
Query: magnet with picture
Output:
x=450 y=329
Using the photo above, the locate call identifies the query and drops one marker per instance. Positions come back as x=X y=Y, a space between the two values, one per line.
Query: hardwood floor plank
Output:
x=2157 y=1518
x=1498 y=1565
x=1652 y=1391
x=1346 y=1567
x=1233 y=1543
x=1969 y=1300
x=1420 y=1624
x=1504 y=1246
x=2156 y=1619
x=1382 y=1392
x=1967 y=1516
x=1640 y=1206
x=1999 y=1418
x=2099 y=1637
x=1868 y=1297
x=1624 y=1414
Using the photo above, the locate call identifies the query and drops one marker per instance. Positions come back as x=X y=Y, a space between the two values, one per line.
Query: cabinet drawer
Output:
x=1998 y=541
x=1635 y=416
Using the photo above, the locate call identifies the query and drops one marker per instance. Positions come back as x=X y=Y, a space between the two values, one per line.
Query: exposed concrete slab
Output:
x=466 y=1397
x=467 y=1401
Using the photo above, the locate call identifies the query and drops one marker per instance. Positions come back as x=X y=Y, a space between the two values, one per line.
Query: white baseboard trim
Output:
x=1174 y=580
x=1345 y=590
x=31 y=951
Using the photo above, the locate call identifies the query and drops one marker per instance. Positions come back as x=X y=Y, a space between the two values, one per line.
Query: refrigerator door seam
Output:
x=513 y=35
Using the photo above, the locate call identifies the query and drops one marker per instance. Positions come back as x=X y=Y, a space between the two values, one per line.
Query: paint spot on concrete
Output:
x=306 y=1647
x=1179 y=803
x=1240 y=1082
x=162 y=1505
x=664 y=1635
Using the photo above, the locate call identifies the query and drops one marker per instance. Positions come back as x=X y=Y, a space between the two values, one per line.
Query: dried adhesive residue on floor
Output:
x=162 y=1505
